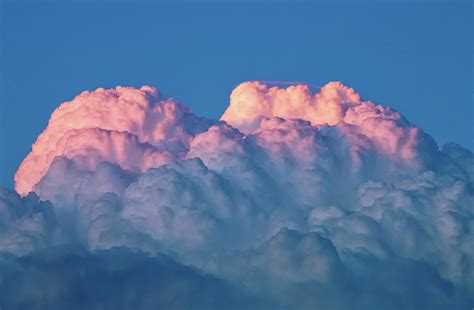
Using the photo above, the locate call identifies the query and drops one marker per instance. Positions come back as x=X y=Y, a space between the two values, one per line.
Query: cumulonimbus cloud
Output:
x=299 y=197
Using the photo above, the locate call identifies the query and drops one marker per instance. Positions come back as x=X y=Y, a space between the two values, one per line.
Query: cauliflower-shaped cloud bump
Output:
x=26 y=224
x=252 y=101
x=134 y=128
x=334 y=104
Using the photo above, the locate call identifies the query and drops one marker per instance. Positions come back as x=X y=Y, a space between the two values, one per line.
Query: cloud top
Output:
x=252 y=101
x=333 y=105
x=134 y=128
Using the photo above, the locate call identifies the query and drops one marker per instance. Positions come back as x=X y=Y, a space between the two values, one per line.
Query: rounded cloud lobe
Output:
x=134 y=128
x=299 y=198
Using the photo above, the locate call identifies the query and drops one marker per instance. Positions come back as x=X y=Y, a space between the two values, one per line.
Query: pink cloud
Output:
x=134 y=128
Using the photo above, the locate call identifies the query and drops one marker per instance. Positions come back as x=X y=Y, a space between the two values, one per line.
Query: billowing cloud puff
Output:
x=334 y=104
x=26 y=223
x=134 y=128
x=297 y=199
x=252 y=101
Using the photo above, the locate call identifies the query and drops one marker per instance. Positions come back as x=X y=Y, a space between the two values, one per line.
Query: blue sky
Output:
x=416 y=58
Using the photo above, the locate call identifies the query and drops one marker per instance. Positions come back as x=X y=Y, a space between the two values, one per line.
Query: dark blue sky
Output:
x=416 y=58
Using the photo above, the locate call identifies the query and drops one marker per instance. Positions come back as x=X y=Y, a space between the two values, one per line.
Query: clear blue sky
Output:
x=416 y=58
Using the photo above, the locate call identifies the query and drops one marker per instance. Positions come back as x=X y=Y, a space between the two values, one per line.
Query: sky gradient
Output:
x=415 y=58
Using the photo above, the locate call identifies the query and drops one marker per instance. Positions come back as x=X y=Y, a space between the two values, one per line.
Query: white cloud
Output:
x=305 y=199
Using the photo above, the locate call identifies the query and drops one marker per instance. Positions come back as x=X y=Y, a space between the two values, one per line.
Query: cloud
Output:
x=334 y=104
x=252 y=101
x=72 y=278
x=134 y=128
x=25 y=222
x=305 y=198
x=306 y=270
